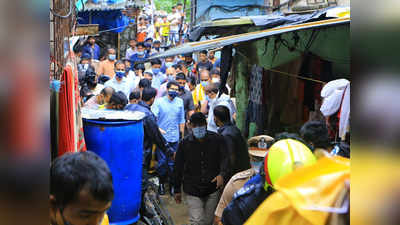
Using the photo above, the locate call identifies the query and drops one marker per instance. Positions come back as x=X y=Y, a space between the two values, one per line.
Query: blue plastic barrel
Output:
x=120 y=144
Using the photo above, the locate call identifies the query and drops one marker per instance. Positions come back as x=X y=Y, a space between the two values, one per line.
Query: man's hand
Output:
x=162 y=131
x=220 y=181
x=173 y=156
x=178 y=198
x=217 y=220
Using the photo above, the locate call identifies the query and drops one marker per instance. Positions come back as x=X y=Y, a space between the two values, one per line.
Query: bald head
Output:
x=205 y=75
x=171 y=71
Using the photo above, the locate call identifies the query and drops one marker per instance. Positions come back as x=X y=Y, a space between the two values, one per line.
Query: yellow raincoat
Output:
x=301 y=192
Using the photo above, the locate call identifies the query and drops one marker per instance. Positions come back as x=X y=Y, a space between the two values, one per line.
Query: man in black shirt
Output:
x=185 y=95
x=204 y=63
x=202 y=165
x=236 y=144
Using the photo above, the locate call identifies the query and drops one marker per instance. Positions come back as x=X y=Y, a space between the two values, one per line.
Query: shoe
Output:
x=161 y=189
x=171 y=190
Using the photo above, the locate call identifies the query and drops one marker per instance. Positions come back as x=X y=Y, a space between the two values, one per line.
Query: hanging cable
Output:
x=285 y=73
x=67 y=15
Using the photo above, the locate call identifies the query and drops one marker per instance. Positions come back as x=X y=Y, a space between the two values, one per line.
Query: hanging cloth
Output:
x=66 y=128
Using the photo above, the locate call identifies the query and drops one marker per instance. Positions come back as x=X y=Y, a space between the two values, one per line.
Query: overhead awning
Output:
x=229 y=40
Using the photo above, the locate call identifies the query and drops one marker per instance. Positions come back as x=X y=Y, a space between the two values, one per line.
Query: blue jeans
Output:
x=165 y=165
x=174 y=37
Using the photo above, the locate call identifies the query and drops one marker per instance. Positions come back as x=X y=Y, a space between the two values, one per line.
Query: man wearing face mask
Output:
x=199 y=95
x=169 y=62
x=186 y=95
x=140 y=56
x=120 y=82
x=170 y=114
x=152 y=133
x=83 y=66
x=106 y=67
x=170 y=73
x=239 y=179
x=158 y=76
x=212 y=92
x=202 y=165
x=81 y=190
x=157 y=47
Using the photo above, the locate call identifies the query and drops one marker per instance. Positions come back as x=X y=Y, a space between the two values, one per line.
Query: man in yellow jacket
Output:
x=81 y=190
x=199 y=93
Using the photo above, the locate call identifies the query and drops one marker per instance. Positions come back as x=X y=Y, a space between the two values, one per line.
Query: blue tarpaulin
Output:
x=110 y=20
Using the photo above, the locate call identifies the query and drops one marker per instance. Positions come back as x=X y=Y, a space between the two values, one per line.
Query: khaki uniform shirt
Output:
x=234 y=184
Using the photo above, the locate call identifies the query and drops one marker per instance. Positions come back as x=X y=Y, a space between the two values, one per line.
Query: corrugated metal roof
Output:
x=224 y=41
x=104 y=6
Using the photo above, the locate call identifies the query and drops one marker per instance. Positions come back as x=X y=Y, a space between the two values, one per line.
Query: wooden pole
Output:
x=119 y=45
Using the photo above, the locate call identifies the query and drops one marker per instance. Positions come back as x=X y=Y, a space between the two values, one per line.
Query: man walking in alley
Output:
x=235 y=143
x=170 y=114
x=152 y=133
x=120 y=82
x=202 y=166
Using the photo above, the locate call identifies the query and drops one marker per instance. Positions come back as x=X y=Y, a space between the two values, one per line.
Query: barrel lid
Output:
x=93 y=114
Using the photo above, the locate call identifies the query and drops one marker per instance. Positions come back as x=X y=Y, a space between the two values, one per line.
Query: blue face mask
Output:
x=199 y=132
x=204 y=83
x=112 y=57
x=171 y=78
x=256 y=166
x=156 y=71
x=120 y=74
x=173 y=94
x=140 y=53
x=181 y=88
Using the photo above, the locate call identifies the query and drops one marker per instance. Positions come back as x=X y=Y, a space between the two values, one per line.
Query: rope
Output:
x=287 y=74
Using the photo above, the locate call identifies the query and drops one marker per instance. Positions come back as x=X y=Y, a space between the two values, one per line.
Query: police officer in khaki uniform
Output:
x=239 y=179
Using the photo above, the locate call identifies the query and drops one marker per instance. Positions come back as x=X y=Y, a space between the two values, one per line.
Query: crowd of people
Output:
x=190 y=119
x=168 y=28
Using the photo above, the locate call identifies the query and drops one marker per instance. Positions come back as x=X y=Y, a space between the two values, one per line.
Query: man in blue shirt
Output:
x=140 y=56
x=170 y=114
x=92 y=49
x=158 y=77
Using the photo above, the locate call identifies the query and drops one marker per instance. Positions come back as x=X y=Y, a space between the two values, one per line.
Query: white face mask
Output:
x=215 y=80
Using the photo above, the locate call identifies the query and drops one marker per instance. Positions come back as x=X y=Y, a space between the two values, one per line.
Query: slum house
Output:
x=280 y=61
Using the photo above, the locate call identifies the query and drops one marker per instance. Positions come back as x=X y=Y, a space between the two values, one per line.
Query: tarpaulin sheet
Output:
x=112 y=20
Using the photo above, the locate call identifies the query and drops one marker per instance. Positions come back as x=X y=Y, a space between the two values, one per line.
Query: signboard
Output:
x=87 y=29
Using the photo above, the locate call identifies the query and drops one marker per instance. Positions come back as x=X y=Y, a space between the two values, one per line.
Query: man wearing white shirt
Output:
x=120 y=82
x=132 y=49
x=175 y=19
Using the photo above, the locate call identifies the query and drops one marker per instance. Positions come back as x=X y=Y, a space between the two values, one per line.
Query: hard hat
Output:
x=283 y=157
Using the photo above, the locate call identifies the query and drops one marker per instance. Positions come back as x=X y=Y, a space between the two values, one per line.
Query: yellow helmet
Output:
x=285 y=156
